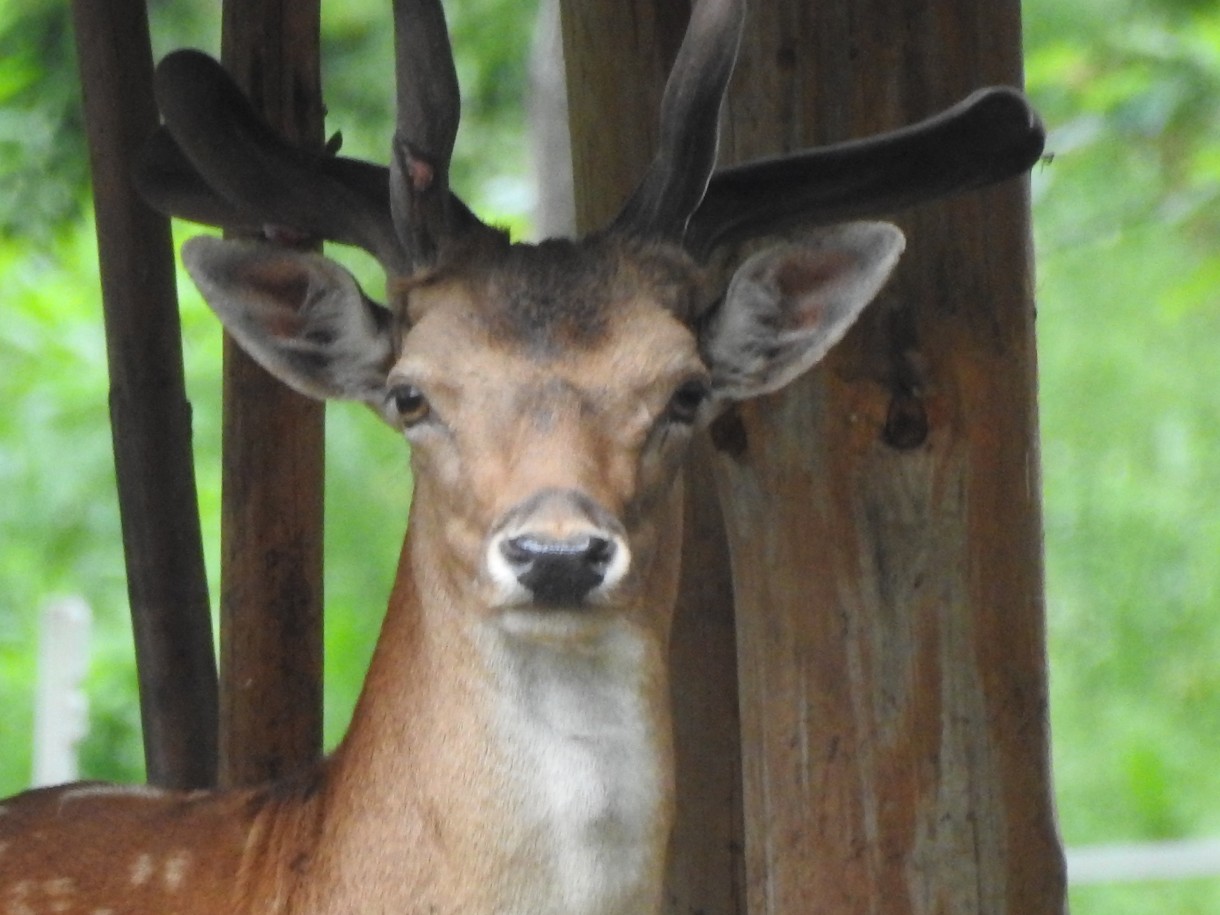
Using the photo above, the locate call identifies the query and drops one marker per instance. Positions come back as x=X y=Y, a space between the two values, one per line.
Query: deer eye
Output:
x=686 y=400
x=410 y=402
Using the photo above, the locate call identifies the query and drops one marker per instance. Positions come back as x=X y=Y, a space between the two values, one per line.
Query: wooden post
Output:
x=271 y=577
x=884 y=514
x=149 y=413
x=618 y=56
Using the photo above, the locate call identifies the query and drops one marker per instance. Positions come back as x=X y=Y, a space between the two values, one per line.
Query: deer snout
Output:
x=557 y=549
x=559 y=572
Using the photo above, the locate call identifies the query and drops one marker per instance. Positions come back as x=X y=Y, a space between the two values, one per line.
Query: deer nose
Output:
x=559 y=572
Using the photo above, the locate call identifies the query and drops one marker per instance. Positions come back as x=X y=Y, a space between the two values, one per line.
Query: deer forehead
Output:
x=470 y=345
x=560 y=293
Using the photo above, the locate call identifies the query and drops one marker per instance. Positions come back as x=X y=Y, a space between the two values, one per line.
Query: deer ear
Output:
x=788 y=305
x=301 y=316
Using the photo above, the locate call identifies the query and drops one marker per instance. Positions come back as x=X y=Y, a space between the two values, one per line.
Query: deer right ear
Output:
x=301 y=316
x=788 y=305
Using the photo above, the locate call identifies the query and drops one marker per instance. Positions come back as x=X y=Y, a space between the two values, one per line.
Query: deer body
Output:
x=511 y=750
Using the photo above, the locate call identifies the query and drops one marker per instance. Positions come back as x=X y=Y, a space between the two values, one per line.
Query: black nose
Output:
x=558 y=572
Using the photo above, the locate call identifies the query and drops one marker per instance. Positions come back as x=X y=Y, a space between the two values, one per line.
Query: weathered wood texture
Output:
x=884 y=515
x=618 y=55
x=149 y=412
x=271 y=515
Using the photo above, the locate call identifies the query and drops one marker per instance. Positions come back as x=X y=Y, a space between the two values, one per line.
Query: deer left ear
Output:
x=788 y=305
x=299 y=315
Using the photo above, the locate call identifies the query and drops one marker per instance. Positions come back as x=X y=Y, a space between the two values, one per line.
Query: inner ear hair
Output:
x=788 y=304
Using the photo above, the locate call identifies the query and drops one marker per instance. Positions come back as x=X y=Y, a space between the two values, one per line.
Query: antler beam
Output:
x=991 y=135
x=252 y=173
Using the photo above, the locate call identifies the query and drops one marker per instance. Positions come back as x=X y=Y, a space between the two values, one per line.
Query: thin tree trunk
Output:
x=884 y=515
x=271 y=577
x=149 y=413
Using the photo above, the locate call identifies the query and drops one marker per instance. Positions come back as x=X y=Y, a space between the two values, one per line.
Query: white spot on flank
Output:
x=135 y=792
x=15 y=903
x=142 y=869
x=175 y=870
x=60 y=886
x=102 y=912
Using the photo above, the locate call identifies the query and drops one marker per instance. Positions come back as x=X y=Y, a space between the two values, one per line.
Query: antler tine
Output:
x=429 y=107
x=170 y=184
x=251 y=171
x=690 y=123
x=991 y=135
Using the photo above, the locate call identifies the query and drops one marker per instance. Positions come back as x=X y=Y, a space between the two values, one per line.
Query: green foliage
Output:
x=1128 y=238
x=43 y=176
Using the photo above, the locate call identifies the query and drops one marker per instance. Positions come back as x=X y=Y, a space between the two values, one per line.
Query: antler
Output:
x=429 y=107
x=218 y=163
x=216 y=142
x=690 y=124
x=991 y=135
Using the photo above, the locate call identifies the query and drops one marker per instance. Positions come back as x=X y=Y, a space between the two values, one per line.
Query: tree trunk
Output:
x=149 y=413
x=273 y=443
x=884 y=515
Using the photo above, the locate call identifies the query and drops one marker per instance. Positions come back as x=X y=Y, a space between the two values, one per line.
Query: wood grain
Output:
x=273 y=457
x=884 y=515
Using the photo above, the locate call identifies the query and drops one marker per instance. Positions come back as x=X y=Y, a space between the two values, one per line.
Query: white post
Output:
x=61 y=714
x=1181 y=860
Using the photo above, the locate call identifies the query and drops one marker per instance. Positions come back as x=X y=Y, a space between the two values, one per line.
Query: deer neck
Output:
x=511 y=775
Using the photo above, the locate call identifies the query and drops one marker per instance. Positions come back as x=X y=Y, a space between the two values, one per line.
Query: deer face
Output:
x=548 y=392
x=548 y=402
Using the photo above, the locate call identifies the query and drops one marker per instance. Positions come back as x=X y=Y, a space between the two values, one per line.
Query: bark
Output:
x=884 y=515
x=273 y=444
x=149 y=412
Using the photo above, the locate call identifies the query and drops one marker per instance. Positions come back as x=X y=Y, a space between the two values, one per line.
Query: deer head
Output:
x=548 y=391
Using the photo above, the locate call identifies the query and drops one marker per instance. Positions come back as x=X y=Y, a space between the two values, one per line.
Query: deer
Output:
x=511 y=750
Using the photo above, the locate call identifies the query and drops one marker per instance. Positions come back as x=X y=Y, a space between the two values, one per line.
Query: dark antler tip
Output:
x=186 y=65
x=1009 y=126
x=1009 y=111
